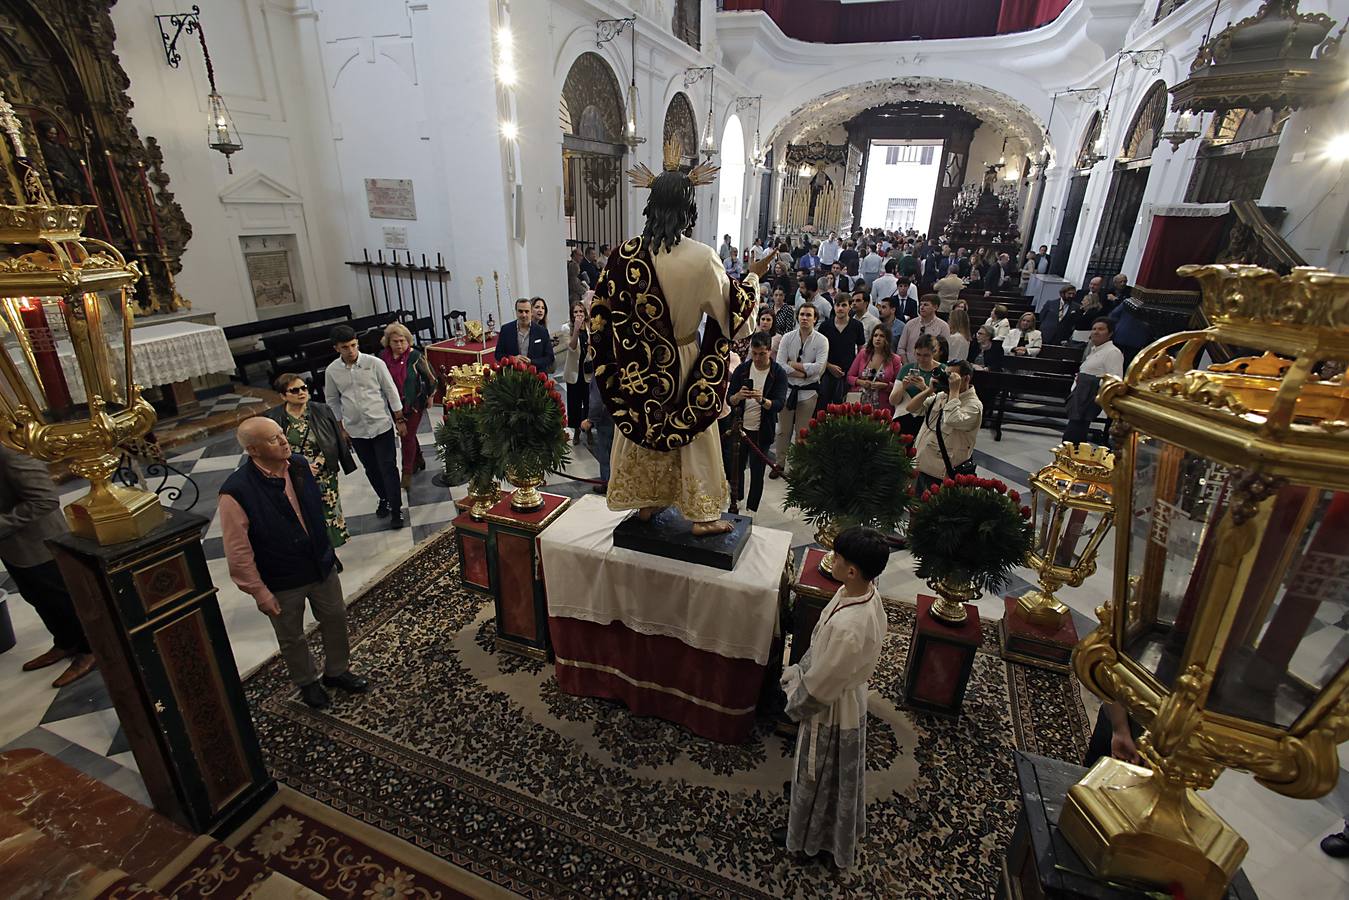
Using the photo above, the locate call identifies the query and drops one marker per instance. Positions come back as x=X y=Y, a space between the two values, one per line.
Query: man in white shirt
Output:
x=369 y=409
x=758 y=251
x=727 y=251
x=884 y=286
x=925 y=323
x=870 y=268
x=829 y=250
x=1100 y=359
x=806 y=293
x=862 y=312
x=803 y=353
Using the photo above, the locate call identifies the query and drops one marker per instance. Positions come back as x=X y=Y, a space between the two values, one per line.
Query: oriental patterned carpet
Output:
x=482 y=761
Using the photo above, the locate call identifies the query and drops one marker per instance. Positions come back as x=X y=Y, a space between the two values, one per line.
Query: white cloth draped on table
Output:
x=732 y=614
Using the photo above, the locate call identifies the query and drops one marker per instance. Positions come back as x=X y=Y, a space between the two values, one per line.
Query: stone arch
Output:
x=591 y=105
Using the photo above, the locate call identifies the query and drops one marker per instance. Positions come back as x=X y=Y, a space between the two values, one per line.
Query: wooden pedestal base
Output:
x=515 y=573
x=470 y=539
x=1036 y=645
x=150 y=611
x=940 y=659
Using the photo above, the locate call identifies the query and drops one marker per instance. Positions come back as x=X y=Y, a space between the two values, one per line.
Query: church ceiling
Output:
x=812 y=120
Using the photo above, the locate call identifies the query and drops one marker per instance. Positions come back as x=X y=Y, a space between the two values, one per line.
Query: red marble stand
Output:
x=515 y=573
x=445 y=355
x=470 y=539
x=940 y=659
x=1036 y=645
x=811 y=594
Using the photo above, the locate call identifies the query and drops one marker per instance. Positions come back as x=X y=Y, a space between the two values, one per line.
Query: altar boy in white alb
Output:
x=827 y=693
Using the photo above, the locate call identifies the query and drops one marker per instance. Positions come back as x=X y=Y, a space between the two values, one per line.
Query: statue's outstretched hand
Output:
x=760 y=266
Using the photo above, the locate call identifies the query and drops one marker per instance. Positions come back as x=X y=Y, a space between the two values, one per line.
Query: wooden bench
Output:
x=248 y=353
x=1036 y=397
x=1041 y=364
x=1062 y=351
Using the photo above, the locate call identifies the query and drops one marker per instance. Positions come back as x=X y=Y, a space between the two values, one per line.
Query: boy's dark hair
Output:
x=759 y=339
x=865 y=548
x=341 y=334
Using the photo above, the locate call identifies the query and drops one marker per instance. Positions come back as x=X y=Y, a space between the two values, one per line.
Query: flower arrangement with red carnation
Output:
x=970 y=530
x=524 y=419
x=459 y=443
x=825 y=480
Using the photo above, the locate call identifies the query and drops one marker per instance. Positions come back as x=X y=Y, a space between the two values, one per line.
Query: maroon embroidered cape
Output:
x=636 y=357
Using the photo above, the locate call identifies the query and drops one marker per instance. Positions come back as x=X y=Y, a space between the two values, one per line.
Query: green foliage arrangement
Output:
x=459 y=443
x=524 y=419
x=825 y=479
x=971 y=530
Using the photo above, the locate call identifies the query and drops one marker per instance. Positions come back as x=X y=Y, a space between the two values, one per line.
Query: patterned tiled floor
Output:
x=79 y=726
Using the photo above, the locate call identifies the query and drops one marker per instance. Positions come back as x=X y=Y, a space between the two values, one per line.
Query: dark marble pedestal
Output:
x=669 y=534
x=150 y=611
x=941 y=656
x=1040 y=862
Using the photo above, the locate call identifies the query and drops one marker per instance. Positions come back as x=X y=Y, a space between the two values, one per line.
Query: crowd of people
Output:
x=876 y=316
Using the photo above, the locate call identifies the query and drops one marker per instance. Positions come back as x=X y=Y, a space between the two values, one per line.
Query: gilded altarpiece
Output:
x=59 y=70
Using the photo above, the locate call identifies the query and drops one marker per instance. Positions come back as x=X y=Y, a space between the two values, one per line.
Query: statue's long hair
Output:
x=671 y=211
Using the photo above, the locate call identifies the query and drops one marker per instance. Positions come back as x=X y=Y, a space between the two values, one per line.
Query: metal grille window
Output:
x=900 y=213
x=909 y=153
x=1166 y=8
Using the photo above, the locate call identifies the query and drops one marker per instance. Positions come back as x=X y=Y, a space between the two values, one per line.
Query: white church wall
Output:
x=252 y=45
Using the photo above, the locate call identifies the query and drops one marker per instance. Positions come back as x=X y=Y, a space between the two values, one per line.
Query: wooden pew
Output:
x=252 y=352
x=1041 y=364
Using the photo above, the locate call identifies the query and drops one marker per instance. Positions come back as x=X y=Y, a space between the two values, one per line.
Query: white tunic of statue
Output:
x=692 y=479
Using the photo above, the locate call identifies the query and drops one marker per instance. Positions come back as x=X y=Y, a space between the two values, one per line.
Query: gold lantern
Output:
x=60 y=295
x=1071 y=512
x=1224 y=639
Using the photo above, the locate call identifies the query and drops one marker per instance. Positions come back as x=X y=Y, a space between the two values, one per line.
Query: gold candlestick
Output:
x=496 y=284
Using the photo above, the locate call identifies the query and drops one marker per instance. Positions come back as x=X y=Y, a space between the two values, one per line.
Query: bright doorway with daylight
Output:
x=731 y=200
x=901 y=183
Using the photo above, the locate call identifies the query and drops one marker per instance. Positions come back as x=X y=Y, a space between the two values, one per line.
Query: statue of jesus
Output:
x=663 y=376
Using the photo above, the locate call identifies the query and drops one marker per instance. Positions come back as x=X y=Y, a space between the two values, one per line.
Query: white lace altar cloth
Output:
x=732 y=614
x=161 y=354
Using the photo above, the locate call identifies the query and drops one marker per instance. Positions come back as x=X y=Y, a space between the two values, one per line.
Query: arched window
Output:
x=590 y=113
x=1146 y=128
x=1087 y=153
x=680 y=125
x=731 y=197
x=592 y=101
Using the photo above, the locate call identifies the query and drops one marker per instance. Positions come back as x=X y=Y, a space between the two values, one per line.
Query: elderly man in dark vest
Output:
x=271 y=516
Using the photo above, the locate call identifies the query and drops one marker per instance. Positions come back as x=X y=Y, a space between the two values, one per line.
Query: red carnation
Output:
x=803 y=433
x=542 y=377
x=947 y=482
x=832 y=409
x=1015 y=496
x=908 y=439
x=935 y=489
x=855 y=408
x=867 y=409
x=1025 y=512
x=927 y=495
x=912 y=452
x=894 y=427
x=999 y=487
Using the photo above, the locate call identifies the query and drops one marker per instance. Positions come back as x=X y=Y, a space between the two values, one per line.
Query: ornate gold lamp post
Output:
x=1071 y=512
x=1232 y=493
x=62 y=294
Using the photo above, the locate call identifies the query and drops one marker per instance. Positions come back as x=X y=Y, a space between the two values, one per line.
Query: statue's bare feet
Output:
x=720 y=526
x=646 y=512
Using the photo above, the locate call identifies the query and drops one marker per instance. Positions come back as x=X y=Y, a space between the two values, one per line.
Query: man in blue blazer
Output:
x=534 y=338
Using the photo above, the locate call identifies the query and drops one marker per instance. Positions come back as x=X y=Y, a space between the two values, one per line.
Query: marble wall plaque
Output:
x=395 y=237
x=269 y=277
x=390 y=198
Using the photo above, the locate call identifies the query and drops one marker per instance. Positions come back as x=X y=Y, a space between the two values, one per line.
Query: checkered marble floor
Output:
x=79 y=726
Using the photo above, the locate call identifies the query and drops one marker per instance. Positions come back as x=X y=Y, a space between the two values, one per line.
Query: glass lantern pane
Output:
x=113 y=358
x=1178 y=498
x=1290 y=635
x=1078 y=527
x=39 y=346
x=1044 y=519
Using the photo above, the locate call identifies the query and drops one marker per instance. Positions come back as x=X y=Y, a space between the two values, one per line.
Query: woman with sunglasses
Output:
x=312 y=430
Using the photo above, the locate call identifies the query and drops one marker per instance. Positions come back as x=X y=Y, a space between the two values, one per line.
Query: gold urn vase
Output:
x=952 y=595
x=526 y=497
x=827 y=530
x=482 y=496
x=67 y=392
x=1225 y=637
